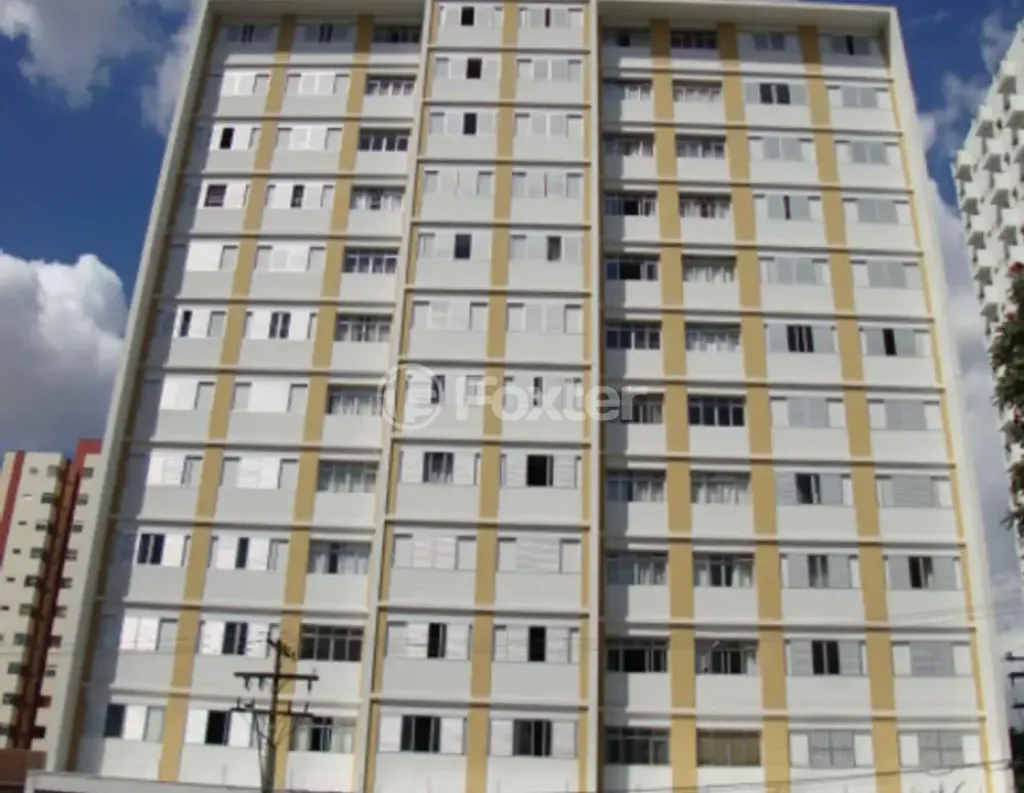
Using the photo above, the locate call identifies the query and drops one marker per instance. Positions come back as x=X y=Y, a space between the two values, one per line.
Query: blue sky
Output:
x=86 y=89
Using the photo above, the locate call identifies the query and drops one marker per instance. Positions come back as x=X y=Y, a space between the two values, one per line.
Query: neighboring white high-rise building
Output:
x=772 y=572
x=988 y=172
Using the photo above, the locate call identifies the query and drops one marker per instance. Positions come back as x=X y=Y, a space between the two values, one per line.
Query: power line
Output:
x=267 y=743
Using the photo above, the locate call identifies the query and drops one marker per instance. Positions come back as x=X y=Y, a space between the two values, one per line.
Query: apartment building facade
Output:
x=769 y=569
x=987 y=174
x=46 y=501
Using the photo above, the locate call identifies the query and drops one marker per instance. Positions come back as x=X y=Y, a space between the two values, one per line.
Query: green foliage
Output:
x=1007 y=355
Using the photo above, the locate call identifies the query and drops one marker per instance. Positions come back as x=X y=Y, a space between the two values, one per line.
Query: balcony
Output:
x=982 y=260
x=964 y=167
x=993 y=158
x=1006 y=77
x=1002 y=190
x=985 y=122
x=989 y=297
x=969 y=198
x=976 y=232
x=1015 y=111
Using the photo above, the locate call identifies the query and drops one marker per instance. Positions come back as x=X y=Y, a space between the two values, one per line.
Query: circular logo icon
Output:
x=420 y=407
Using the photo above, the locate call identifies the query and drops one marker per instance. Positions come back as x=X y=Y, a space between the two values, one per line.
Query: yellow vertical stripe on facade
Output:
x=925 y=266
x=872 y=563
x=316 y=401
x=206 y=499
x=119 y=459
x=771 y=641
x=683 y=729
x=482 y=649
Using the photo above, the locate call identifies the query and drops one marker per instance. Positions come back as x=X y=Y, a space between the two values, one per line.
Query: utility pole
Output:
x=277 y=679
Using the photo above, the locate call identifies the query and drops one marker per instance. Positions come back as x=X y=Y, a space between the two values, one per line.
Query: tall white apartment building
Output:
x=769 y=570
x=987 y=172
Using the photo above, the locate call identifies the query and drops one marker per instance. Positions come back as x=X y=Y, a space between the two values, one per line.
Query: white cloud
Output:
x=62 y=325
x=72 y=47
x=944 y=126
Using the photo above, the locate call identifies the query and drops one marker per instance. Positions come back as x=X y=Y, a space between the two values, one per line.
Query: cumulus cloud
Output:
x=71 y=48
x=63 y=326
x=943 y=126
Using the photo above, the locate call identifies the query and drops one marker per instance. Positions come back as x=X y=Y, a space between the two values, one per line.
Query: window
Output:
x=438 y=467
x=540 y=470
x=939 y=750
x=218 y=726
x=725 y=571
x=825 y=657
x=896 y=342
x=216 y=196
x=370 y=261
x=150 y=549
x=788 y=207
x=782 y=148
x=627 y=568
x=880 y=274
x=638 y=486
x=633 y=656
x=726 y=658
x=353 y=401
x=330 y=643
x=728 y=748
x=390 y=86
x=336 y=476
x=818 y=571
x=860 y=97
x=794 y=489
x=396 y=34
x=383 y=140
x=639 y=38
x=932 y=659
x=323 y=734
x=463 y=247
x=563 y=70
x=706 y=207
x=795 y=271
x=714 y=411
x=877 y=210
x=537 y=17
x=922 y=572
x=531 y=738
x=377 y=199
x=914 y=491
x=628 y=145
x=623 y=90
x=636 y=746
x=831 y=749
x=280 y=324
x=338 y=558
x=362 y=329
x=769 y=42
x=776 y=93
x=698 y=148
x=421 y=734
x=633 y=336
x=709 y=270
x=694 y=40
x=868 y=152
x=850 y=45
x=631 y=268
x=630 y=204
x=642 y=408
x=801 y=339
x=712 y=338
x=719 y=488
x=697 y=92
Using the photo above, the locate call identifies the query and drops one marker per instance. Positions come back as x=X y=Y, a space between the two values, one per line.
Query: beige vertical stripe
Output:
x=206 y=502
